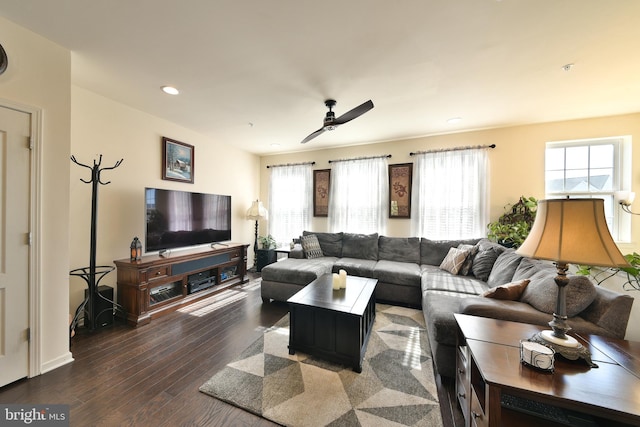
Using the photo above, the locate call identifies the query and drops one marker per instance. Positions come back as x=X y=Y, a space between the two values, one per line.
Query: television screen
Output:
x=178 y=219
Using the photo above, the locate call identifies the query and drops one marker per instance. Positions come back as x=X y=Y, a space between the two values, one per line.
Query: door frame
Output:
x=35 y=223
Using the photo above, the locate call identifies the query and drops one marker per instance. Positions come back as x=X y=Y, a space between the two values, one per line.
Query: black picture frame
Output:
x=321 y=185
x=400 y=176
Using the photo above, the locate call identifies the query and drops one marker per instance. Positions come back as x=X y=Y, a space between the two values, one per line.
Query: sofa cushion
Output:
x=434 y=279
x=528 y=267
x=330 y=243
x=401 y=249
x=504 y=268
x=398 y=273
x=311 y=246
x=298 y=271
x=609 y=310
x=509 y=291
x=438 y=308
x=454 y=260
x=432 y=252
x=483 y=262
x=355 y=266
x=542 y=293
x=361 y=246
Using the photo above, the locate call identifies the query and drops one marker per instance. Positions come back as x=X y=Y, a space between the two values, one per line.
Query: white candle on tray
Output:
x=343 y=279
x=336 y=281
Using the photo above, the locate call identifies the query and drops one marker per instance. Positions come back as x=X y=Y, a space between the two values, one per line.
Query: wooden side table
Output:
x=489 y=374
x=264 y=258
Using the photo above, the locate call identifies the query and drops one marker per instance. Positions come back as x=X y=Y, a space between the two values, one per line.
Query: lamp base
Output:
x=567 y=347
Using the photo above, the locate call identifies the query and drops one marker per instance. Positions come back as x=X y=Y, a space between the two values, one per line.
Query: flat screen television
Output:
x=177 y=219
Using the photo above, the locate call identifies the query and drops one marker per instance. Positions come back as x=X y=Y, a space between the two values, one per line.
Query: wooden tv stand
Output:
x=157 y=285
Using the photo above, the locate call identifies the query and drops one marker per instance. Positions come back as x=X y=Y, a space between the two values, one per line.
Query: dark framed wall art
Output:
x=400 y=190
x=321 y=182
x=177 y=160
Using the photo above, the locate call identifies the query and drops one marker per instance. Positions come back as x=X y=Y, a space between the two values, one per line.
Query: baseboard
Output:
x=56 y=363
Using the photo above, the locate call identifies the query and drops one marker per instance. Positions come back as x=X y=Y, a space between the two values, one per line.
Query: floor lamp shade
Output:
x=257 y=211
x=572 y=231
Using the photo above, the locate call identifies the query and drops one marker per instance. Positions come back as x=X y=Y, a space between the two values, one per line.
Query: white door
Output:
x=15 y=130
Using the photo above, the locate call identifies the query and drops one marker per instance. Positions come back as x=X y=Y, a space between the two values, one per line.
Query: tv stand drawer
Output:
x=157 y=273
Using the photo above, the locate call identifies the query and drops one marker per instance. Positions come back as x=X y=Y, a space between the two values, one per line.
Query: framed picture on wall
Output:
x=321 y=182
x=400 y=190
x=177 y=160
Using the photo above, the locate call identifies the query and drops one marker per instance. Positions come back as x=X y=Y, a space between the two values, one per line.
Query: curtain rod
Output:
x=388 y=156
x=291 y=164
x=470 y=147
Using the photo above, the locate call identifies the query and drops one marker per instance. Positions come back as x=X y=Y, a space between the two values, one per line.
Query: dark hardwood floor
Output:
x=149 y=376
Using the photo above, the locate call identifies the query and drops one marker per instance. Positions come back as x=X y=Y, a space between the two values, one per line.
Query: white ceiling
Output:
x=256 y=72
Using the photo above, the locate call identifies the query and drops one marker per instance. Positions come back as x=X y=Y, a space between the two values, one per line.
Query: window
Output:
x=290 y=201
x=590 y=169
x=449 y=194
x=358 y=198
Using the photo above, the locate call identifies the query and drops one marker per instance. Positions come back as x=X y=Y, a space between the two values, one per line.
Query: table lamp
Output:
x=256 y=212
x=569 y=231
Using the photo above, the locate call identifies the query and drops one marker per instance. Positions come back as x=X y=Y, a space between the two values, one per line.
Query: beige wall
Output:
x=38 y=76
x=102 y=126
x=516 y=164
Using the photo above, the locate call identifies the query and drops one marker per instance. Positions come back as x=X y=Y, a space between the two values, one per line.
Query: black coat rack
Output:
x=93 y=274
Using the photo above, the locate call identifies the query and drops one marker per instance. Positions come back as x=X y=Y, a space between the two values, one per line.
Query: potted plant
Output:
x=267 y=242
x=513 y=227
x=632 y=273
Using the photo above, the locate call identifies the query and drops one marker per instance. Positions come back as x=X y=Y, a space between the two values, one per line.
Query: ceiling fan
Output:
x=330 y=121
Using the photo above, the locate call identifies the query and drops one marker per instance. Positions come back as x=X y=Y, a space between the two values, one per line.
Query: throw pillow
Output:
x=510 y=291
x=432 y=252
x=504 y=268
x=454 y=260
x=542 y=293
x=311 y=246
x=483 y=262
x=465 y=270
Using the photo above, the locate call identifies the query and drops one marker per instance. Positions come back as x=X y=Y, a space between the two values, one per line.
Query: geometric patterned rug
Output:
x=395 y=388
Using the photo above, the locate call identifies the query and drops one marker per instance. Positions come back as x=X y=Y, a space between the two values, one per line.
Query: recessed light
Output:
x=454 y=120
x=567 y=67
x=275 y=145
x=170 y=90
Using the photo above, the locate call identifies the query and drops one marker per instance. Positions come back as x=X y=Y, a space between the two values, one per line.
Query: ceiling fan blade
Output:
x=313 y=135
x=352 y=114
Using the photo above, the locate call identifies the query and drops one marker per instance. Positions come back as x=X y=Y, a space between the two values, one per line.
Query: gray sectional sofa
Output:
x=409 y=273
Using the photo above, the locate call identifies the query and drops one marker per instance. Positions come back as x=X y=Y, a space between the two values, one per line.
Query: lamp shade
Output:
x=572 y=231
x=257 y=211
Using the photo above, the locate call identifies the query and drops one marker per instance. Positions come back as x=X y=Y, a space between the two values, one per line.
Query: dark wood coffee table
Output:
x=333 y=325
x=490 y=377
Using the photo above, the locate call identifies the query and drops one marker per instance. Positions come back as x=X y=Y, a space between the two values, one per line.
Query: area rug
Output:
x=396 y=386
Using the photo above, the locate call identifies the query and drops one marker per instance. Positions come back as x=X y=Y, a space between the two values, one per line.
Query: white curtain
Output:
x=449 y=199
x=359 y=196
x=290 y=201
